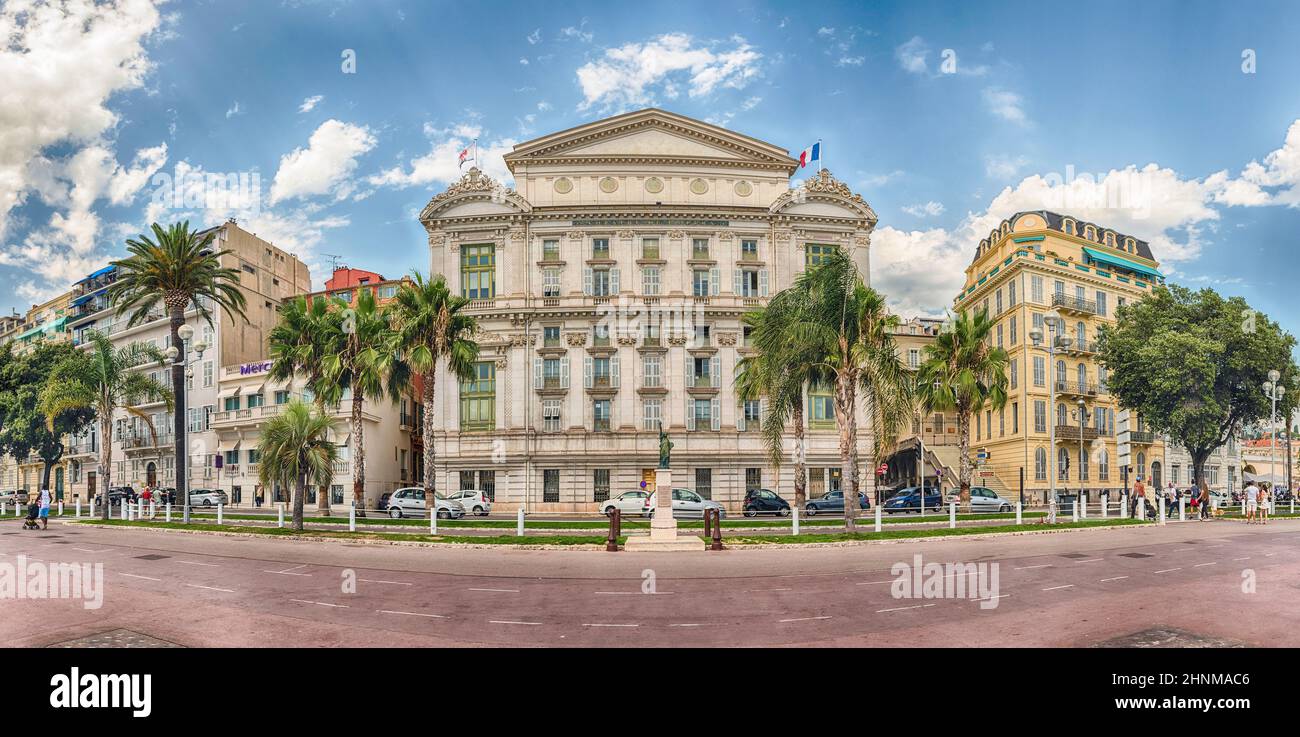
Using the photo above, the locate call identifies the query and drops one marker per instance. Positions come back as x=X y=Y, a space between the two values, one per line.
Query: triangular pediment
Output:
x=651 y=135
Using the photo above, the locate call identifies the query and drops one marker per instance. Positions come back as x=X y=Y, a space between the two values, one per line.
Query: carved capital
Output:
x=726 y=338
x=626 y=235
x=576 y=339
x=676 y=235
x=678 y=339
x=501 y=362
x=782 y=236
x=627 y=340
x=575 y=235
x=726 y=236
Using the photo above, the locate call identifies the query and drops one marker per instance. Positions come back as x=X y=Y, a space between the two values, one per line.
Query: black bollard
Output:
x=717 y=530
x=611 y=542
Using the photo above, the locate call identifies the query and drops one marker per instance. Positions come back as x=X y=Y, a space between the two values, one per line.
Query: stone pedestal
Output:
x=663 y=527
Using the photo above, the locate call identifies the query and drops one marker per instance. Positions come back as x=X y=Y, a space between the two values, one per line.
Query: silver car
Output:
x=983 y=499
x=207 y=497
x=629 y=502
x=686 y=504
x=409 y=502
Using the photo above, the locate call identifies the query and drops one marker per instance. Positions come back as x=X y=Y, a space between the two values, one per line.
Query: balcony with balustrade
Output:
x=1074 y=305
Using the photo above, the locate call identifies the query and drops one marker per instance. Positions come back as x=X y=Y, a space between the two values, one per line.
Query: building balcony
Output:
x=342 y=468
x=1074 y=305
x=1076 y=389
x=147 y=442
x=1070 y=433
x=1081 y=347
x=1141 y=437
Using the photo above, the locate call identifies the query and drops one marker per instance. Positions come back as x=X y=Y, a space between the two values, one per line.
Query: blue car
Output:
x=832 y=502
x=908 y=500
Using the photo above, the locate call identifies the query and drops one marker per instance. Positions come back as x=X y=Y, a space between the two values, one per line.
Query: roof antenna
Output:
x=334 y=261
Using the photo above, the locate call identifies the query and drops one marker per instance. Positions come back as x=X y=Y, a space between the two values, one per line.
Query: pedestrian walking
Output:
x=1205 y=502
x=1139 y=493
x=1265 y=496
x=45 y=508
x=1252 y=502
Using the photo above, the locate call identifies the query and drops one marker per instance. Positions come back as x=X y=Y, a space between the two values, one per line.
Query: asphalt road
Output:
x=1180 y=584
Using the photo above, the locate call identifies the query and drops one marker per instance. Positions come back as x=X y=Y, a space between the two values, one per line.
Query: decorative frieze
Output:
x=576 y=340
x=726 y=339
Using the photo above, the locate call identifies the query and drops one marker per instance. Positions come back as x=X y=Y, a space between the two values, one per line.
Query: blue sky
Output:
x=1136 y=99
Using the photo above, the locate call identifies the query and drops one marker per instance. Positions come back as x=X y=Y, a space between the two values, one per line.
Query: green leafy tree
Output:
x=432 y=328
x=1191 y=364
x=296 y=452
x=23 y=427
x=102 y=380
x=179 y=269
x=963 y=373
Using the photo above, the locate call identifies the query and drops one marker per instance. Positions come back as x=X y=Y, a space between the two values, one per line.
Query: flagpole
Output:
x=821 y=154
x=477 y=163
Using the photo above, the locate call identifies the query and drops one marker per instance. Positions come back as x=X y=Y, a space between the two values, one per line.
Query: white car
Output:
x=473 y=500
x=686 y=503
x=629 y=502
x=409 y=502
x=207 y=497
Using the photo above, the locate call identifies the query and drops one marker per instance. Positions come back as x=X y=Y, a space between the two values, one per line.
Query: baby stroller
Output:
x=33 y=513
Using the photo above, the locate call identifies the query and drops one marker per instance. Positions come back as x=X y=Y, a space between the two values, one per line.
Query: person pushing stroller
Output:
x=33 y=514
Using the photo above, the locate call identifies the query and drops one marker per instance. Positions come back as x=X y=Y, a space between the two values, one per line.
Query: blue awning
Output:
x=106 y=270
x=1121 y=262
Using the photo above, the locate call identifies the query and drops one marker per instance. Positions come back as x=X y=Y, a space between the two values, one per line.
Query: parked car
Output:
x=909 y=500
x=11 y=497
x=207 y=497
x=118 y=494
x=764 y=501
x=832 y=501
x=409 y=502
x=629 y=502
x=686 y=503
x=473 y=500
x=983 y=499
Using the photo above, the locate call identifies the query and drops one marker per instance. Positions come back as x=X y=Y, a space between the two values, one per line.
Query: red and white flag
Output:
x=465 y=155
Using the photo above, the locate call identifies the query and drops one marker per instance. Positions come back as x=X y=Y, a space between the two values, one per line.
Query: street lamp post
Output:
x=1081 y=414
x=1274 y=391
x=179 y=362
x=920 y=436
x=1055 y=327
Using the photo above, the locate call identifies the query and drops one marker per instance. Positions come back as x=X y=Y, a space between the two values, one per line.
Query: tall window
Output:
x=551 y=415
x=821 y=406
x=650 y=249
x=478 y=398
x=1040 y=464
x=913 y=357
x=600 y=282
x=1014 y=333
x=550 y=250
x=478 y=271
x=600 y=484
x=1015 y=373
x=753 y=478
x=1011 y=294
x=704 y=482
x=551 y=485
x=651 y=414
x=1039 y=370
x=753 y=413
x=600 y=248
x=1015 y=417
x=650 y=280
x=1101 y=303
x=1040 y=416
x=749 y=250
x=652 y=366
x=1103 y=466
x=600 y=415
x=1063 y=464
x=550 y=282
x=700 y=248
x=700 y=282
x=551 y=336
x=1036 y=289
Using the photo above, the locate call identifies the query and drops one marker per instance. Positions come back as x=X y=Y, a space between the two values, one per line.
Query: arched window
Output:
x=1067 y=225
x=1040 y=464
x=1090 y=232
x=1110 y=239
x=1062 y=461
x=1142 y=466
x=1060 y=373
x=1103 y=465
x=1130 y=245
x=1083 y=466
x=1081 y=333
x=1062 y=418
x=1081 y=375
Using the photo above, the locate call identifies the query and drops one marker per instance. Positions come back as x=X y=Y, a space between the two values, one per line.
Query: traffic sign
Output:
x=883 y=469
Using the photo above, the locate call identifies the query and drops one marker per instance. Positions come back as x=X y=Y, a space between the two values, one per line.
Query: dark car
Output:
x=764 y=501
x=383 y=501
x=908 y=500
x=833 y=501
x=117 y=494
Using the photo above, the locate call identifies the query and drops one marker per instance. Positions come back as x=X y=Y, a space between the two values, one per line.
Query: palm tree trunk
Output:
x=105 y=458
x=844 y=420
x=178 y=415
x=358 y=455
x=427 y=428
x=963 y=461
x=300 y=494
x=800 y=456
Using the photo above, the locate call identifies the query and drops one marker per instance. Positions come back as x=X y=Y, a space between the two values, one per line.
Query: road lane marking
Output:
x=999 y=596
x=507 y=621
x=1246 y=558
x=902 y=608
x=147 y=578
x=87 y=550
x=196 y=563
x=600 y=624
x=1198 y=565
x=1054 y=588
x=1104 y=580
x=1169 y=570
x=617 y=593
x=377 y=580
x=1090 y=560
x=411 y=614
x=801 y=619
x=294 y=568
x=321 y=603
x=499 y=591
x=754 y=591
x=287 y=573
x=210 y=588
x=1025 y=568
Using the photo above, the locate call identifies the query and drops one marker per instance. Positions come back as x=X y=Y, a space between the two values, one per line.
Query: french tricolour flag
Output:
x=809 y=155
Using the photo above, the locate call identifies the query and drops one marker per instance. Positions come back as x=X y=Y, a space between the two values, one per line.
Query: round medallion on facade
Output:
x=699 y=186
x=563 y=185
x=654 y=185
x=608 y=185
x=744 y=189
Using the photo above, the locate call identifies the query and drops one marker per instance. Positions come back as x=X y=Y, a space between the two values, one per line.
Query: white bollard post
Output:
x=279 y=514
x=519 y=525
x=126 y=510
x=1105 y=503
x=1161 y=504
x=1142 y=508
x=1293 y=504
x=2 y=508
x=220 y=513
x=1123 y=506
x=878 y=518
x=1019 y=511
x=794 y=520
x=1074 y=515
x=17 y=508
x=352 y=516
x=169 y=512
x=78 y=506
x=1182 y=508
x=1083 y=508
x=952 y=514
x=60 y=508
x=433 y=520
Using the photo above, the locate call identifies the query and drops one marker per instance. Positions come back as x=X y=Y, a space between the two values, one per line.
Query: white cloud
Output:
x=1006 y=105
x=928 y=209
x=871 y=181
x=911 y=55
x=441 y=165
x=627 y=75
x=309 y=103
x=1281 y=169
x=326 y=165
x=543 y=106
x=576 y=33
x=846 y=61
x=234 y=110
x=1004 y=166
x=826 y=32
x=535 y=37
x=523 y=61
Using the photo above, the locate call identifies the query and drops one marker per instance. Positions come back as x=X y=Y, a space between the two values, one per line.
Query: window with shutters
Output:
x=1101 y=303
x=821 y=407
x=600 y=282
x=1040 y=464
x=752 y=411
x=652 y=370
x=651 y=414
x=600 y=373
x=1011 y=294
x=650 y=280
x=1014 y=333
x=600 y=415
x=1040 y=371
x=478 y=271
x=913 y=357
x=1036 y=289
x=551 y=415
x=551 y=373
x=551 y=336
x=751 y=282
x=1015 y=418
x=700 y=282
x=1015 y=373
x=1040 y=416
x=702 y=413
x=550 y=282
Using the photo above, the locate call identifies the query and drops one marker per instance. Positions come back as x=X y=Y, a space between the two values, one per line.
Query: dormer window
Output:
x=1090 y=232
x=1068 y=226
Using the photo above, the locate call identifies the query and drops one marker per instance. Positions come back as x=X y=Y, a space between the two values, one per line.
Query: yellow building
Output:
x=1062 y=278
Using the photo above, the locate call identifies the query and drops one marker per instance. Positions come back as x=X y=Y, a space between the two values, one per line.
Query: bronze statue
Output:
x=665 y=447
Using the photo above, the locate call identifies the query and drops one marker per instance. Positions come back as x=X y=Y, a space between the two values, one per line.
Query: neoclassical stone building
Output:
x=609 y=286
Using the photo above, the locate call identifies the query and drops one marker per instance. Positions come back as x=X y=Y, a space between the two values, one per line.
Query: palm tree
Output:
x=965 y=373
x=431 y=327
x=848 y=329
x=362 y=355
x=296 y=451
x=779 y=371
x=297 y=348
x=179 y=268
x=104 y=379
